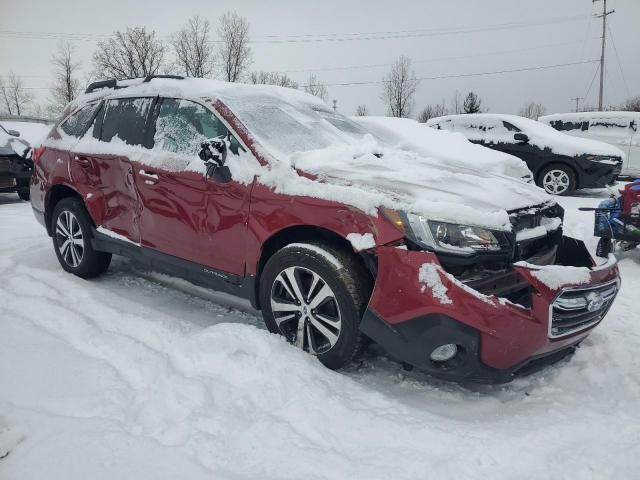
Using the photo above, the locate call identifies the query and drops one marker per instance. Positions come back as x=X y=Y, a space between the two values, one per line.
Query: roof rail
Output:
x=113 y=83
x=151 y=77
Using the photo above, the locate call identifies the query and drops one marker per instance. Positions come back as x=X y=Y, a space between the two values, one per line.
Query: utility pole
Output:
x=577 y=99
x=603 y=15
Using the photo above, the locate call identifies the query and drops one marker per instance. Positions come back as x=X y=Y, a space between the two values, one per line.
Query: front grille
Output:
x=578 y=308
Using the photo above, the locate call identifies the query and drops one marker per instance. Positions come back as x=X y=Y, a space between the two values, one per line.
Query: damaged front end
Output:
x=496 y=313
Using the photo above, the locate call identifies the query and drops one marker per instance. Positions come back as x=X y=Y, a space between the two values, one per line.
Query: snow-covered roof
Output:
x=192 y=88
x=540 y=134
x=589 y=115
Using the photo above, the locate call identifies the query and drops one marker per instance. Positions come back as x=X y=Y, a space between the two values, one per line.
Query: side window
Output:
x=78 y=122
x=510 y=127
x=568 y=125
x=125 y=118
x=182 y=126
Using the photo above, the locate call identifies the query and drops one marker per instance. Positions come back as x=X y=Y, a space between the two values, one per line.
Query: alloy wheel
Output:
x=69 y=238
x=556 y=182
x=305 y=310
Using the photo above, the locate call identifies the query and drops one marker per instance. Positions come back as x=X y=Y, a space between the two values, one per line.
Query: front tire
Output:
x=71 y=232
x=558 y=179
x=315 y=296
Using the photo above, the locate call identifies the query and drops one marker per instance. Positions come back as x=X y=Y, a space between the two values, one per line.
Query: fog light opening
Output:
x=444 y=353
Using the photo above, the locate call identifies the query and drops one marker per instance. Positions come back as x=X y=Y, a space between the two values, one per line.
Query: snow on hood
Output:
x=541 y=135
x=369 y=175
x=408 y=134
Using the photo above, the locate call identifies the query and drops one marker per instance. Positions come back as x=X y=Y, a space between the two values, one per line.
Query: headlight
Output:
x=446 y=237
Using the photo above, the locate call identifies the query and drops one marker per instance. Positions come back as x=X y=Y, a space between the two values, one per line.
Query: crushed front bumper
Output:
x=497 y=340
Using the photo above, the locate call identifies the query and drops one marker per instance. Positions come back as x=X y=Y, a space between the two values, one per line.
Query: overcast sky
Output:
x=356 y=41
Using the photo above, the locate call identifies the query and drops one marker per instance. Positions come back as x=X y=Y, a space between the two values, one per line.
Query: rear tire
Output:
x=71 y=231
x=330 y=327
x=558 y=179
x=24 y=195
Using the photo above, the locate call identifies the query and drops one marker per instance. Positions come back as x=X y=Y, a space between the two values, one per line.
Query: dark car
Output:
x=15 y=163
x=560 y=163
x=268 y=194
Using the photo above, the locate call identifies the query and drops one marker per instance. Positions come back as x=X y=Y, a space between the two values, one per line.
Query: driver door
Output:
x=185 y=212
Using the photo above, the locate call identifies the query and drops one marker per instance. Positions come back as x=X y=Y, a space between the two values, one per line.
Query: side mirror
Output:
x=214 y=151
x=13 y=133
x=521 y=137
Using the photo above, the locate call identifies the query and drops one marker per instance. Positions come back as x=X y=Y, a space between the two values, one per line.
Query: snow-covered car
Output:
x=560 y=163
x=620 y=129
x=409 y=134
x=268 y=194
x=15 y=163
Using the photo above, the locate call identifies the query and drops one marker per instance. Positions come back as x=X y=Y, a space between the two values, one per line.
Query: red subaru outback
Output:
x=268 y=194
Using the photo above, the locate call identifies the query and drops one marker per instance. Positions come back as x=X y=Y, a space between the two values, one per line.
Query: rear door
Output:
x=185 y=212
x=104 y=157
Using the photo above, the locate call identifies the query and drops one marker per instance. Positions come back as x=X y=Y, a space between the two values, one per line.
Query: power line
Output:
x=462 y=75
x=434 y=59
x=626 y=86
x=595 y=74
x=312 y=38
x=437 y=77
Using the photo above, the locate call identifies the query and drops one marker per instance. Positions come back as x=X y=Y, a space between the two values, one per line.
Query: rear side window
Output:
x=182 y=126
x=125 y=118
x=568 y=125
x=78 y=122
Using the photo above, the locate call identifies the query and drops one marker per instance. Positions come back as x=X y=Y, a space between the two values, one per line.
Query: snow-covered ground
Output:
x=140 y=376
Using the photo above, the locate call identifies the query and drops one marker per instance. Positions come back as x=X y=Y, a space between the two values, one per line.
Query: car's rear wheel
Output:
x=558 y=179
x=71 y=231
x=315 y=297
x=24 y=194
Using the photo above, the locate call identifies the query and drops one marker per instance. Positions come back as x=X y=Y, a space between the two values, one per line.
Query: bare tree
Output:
x=632 y=104
x=272 y=78
x=66 y=84
x=129 y=54
x=234 y=51
x=195 y=56
x=472 y=103
x=315 y=87
x=533 y=110
x=433 y=111
x=399 y=87
x=15 y=98
x=362 y=111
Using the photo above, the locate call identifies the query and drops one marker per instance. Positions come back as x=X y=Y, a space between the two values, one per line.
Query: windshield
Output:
x=285 y=127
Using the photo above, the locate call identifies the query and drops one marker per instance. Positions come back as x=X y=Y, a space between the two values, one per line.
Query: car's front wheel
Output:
x=71 y=231
x=558 y=179
x=315 y=297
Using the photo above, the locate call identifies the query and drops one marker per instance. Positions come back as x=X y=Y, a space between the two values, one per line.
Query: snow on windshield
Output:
x=286 y=127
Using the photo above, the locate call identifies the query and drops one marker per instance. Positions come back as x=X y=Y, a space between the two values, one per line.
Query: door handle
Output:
x=82 y=160
x=149 y=177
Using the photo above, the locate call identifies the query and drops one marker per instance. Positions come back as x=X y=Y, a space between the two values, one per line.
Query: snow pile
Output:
x=489 y=127
x=361 y=241
x=546 y=225
x=556 y=276
x=429 y=274
x=455 y=149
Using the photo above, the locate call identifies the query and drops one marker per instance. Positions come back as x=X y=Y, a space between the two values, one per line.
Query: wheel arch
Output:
x=53 y=196
x=310 y=233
